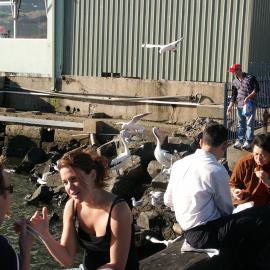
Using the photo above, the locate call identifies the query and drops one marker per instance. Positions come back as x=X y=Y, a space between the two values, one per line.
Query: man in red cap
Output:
x=244 y=90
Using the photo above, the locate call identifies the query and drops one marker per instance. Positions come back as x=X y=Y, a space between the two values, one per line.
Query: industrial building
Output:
x=95 y=47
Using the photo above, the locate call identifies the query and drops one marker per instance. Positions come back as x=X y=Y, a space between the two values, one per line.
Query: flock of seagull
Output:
x=128 y=129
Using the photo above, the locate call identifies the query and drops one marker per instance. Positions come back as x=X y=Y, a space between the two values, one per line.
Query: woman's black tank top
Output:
x=97 y=249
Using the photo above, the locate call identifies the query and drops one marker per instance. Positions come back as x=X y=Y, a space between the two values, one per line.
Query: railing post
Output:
x=225 y=104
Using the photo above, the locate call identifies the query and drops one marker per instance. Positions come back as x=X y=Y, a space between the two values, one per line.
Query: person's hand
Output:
x=238 y=193
x=264 y=177
x=246 y=100
x=26 y=239
x=229 y=110
x=40 y=223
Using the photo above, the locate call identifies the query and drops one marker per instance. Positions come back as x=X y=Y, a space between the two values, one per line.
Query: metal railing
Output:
x=262 y=108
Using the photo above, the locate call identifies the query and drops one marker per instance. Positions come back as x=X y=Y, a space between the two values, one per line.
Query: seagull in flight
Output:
x=132 y=124
x=164 y=48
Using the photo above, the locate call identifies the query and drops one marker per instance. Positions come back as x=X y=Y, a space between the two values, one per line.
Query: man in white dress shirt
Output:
x=199 y=193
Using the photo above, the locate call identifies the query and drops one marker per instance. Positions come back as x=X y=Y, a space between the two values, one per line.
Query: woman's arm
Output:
x=65 y=250
x=238 y=175
x=121 y=220
x=26 y=241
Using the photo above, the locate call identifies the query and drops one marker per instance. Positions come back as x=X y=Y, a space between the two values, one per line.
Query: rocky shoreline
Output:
x=141 y=182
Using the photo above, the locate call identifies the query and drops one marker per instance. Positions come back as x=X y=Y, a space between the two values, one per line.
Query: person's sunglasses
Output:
x=8 y=188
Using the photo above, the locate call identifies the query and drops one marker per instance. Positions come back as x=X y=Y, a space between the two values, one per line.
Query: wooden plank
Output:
x=171 y=258
x=41 y=122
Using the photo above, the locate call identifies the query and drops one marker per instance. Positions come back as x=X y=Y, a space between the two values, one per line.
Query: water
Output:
x=40 y=258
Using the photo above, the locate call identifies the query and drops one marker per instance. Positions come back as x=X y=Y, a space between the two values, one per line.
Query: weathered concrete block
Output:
x=214 y=111
x=160 y=181
x=171 y=258
x=179 y=139
x=93 y=126
x=90 y=125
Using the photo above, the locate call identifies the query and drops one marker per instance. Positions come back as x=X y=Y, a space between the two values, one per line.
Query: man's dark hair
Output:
x=215 y=134
x=263 y=141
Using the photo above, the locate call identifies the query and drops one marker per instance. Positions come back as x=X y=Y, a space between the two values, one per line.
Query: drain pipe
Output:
x=59 y=40
x=52 y=38
x=149 y=100
x=15 y=12
x=225 y=104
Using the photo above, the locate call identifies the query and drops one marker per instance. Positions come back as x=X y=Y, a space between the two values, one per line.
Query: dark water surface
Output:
x=40 y=258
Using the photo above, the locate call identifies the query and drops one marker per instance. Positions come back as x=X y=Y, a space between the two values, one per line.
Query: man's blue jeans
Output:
x=245 y=127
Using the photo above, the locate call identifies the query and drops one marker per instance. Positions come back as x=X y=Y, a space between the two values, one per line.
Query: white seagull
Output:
x=127 y=135
x=132 y=124
x=157 y=198
x=136 y=203
x=43 y=179
x=131 y=128
x=164 y=242
x=54 y=167
x=164 y=48
x=123 y=158
x=162 y=156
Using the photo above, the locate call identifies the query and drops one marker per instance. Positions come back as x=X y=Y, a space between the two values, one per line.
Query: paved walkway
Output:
x=233 y=155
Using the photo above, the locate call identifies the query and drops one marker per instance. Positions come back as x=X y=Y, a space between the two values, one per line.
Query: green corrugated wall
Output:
x=259 y=57
x=106 y=36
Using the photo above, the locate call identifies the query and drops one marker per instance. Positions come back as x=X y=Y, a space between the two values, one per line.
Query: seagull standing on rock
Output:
x=157 y=198
x=136 y=203
x=43 y=179
x=164 y=48
x=123 y=158
x=162 y=156
x=164 y=242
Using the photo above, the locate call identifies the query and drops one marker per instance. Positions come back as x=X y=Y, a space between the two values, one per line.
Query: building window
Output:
x=23 y=19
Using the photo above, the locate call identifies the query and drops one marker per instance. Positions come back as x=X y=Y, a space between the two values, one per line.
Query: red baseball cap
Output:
x=234 y=67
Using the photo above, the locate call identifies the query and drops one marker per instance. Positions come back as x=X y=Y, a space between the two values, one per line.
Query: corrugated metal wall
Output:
x=259 y=57
x=106 y=36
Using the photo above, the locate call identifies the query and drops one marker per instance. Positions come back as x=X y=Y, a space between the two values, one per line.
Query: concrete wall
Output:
x=212 y=93
x=146 y=88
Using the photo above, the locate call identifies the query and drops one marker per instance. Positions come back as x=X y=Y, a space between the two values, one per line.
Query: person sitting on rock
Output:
x=98 y=219
x=250 y=178
x=199 y=193
x=9 y=259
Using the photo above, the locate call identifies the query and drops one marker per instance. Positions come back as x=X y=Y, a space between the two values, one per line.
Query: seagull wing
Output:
x=137 y=117
x=167 y=155
x=155 y=240
x=151 y=45
x=175 y=42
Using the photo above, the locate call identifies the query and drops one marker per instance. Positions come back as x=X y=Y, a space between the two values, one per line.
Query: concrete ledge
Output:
x=215 y=111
